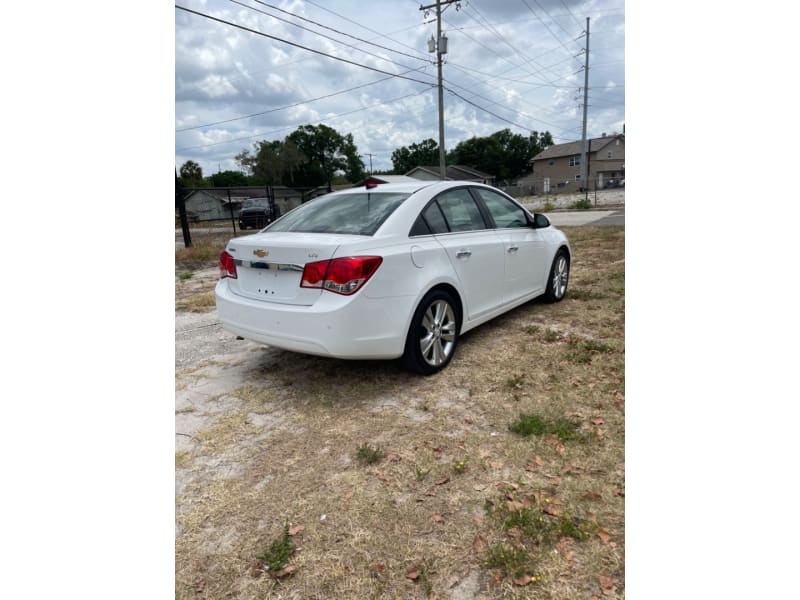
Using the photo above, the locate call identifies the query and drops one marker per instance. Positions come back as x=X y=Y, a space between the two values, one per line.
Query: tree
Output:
x=503 y=154
x=326 y=152
x=191 y=173
x=425 y=153
x=310 y=156
x=228 y=179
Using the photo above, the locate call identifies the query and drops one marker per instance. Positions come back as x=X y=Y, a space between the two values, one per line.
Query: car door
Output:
x=475 y=251
x=524 y=248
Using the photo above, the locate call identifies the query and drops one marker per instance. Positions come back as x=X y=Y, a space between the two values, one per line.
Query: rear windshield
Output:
x=360 y=213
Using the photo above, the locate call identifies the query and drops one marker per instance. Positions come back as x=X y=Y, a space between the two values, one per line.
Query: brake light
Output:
x=227 y=266
x=340 y=275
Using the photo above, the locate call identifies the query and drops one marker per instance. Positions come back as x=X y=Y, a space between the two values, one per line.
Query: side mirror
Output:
x=540 y=221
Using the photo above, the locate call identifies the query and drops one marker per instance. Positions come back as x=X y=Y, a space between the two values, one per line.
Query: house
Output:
x=558 y=168
x=453 y=173
x=209 y=204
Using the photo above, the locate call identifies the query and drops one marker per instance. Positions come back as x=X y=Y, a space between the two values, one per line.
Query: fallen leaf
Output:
x=618 y=491
x=346 y=501
x=438 y=518
x=377 y=568
x=551 y=510
x=479 y=545
x=413 y=573
x=256 y=570
x=514 y=506
x=393 y=457
x=604 y=535
x=561 y=449
x=443 y=480
x=479 y=487
x=284 y=572
x=295 y=530
x=592 y=496
x=524 y=580
x=598 y=420
x=607 y=585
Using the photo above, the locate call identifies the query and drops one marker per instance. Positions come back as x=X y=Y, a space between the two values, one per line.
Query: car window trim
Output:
x=482 y=204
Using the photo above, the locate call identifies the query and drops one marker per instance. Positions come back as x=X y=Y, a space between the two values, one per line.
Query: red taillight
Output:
x=227 y=266
x=340 y=275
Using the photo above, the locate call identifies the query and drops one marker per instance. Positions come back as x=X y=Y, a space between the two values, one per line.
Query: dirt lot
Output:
x=273 y=454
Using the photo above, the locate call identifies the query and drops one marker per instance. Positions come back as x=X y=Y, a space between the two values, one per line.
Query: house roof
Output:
x=573 y=148
x=386 y=179
x=239 y=194
x=455 y=172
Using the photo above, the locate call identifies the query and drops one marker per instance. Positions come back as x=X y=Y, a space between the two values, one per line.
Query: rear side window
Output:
x=460 y=211
x=505 y=213
x=359 y=213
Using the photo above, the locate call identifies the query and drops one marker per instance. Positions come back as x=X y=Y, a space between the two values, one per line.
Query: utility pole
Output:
x=370 y=161
x=439 y=45
x=585 y=151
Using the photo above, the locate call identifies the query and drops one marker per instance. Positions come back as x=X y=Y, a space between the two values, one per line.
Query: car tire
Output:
x=559 y=277
x=433 y=335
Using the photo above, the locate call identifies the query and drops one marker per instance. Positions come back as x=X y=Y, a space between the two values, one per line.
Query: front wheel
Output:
x=559 y=278
x=433 y=335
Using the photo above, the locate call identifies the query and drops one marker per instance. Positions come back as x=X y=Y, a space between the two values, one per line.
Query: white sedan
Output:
x=389 y=271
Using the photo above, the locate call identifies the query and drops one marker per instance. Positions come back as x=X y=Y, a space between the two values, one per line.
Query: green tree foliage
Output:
x=228 y=179
x=310 y=156
x=426 y=153
x=191 y=174
x=503 y=154
x=326 y=152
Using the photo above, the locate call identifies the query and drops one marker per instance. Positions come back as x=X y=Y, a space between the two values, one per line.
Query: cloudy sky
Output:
x=260 y=70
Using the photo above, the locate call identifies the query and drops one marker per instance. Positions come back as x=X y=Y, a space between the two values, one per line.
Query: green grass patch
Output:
x=581 y=204
x=277 y=556
x=507 y=558
x=582 y=351
x=185 y=275
x=579 y=294
x=528 y=424
x=368 y=455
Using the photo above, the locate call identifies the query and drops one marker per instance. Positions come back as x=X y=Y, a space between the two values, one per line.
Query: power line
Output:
x=258 y=114
x=334 y=30
x=272 y=37
x=574 y=18
x=378 y=33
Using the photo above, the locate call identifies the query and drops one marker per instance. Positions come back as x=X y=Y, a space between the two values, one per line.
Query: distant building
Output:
x=379 y=179
x=208 y=204
x=558 y=169
x=452 y=173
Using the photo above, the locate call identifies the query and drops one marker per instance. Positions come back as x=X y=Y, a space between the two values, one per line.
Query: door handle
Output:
x=512 y=249
x=463 y=253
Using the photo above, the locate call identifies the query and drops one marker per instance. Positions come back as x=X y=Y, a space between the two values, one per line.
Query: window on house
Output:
x=610 y=154
x=551 y=162
x=575 y=161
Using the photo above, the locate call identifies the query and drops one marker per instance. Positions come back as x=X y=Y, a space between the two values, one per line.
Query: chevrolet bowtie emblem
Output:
x=261 y=253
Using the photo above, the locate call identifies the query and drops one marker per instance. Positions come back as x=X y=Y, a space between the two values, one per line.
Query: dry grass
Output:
x=424 y=519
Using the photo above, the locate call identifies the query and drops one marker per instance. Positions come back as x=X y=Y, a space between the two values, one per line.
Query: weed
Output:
x=532 y=523
x=276 y=557
x=548 y=206
x=420 y=472
x=531 y=329
x=506 y=557
x=529 y=424
x=578 y=294
x=515 y=382
x=575 y=527
x=185 y=275
x=368 y=455
x=581 y=204
x=550 y=336
x=533 y=424
x=581 y=351
x=460 y=466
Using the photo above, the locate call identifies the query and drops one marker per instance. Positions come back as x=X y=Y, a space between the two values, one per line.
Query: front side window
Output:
x=504 y=212
x=460 y=211
x=359 y=213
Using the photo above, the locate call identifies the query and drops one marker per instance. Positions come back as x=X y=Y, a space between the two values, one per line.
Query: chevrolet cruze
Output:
x=390 y=271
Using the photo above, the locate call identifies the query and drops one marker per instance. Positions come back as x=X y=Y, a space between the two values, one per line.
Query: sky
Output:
x=516 y=64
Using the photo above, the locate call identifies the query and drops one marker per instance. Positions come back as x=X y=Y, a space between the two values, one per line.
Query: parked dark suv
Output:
x=256 y=213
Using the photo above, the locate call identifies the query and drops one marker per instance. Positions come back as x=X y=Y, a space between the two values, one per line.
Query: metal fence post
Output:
x=230 y=207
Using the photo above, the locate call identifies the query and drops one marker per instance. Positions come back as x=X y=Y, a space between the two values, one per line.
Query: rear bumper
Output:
x=356 y=327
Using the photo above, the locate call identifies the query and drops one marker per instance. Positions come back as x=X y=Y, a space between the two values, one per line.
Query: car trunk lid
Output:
x=269 y=266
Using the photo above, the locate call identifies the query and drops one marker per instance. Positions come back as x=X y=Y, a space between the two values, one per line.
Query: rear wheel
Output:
x=559 y=277
x=432 y=338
